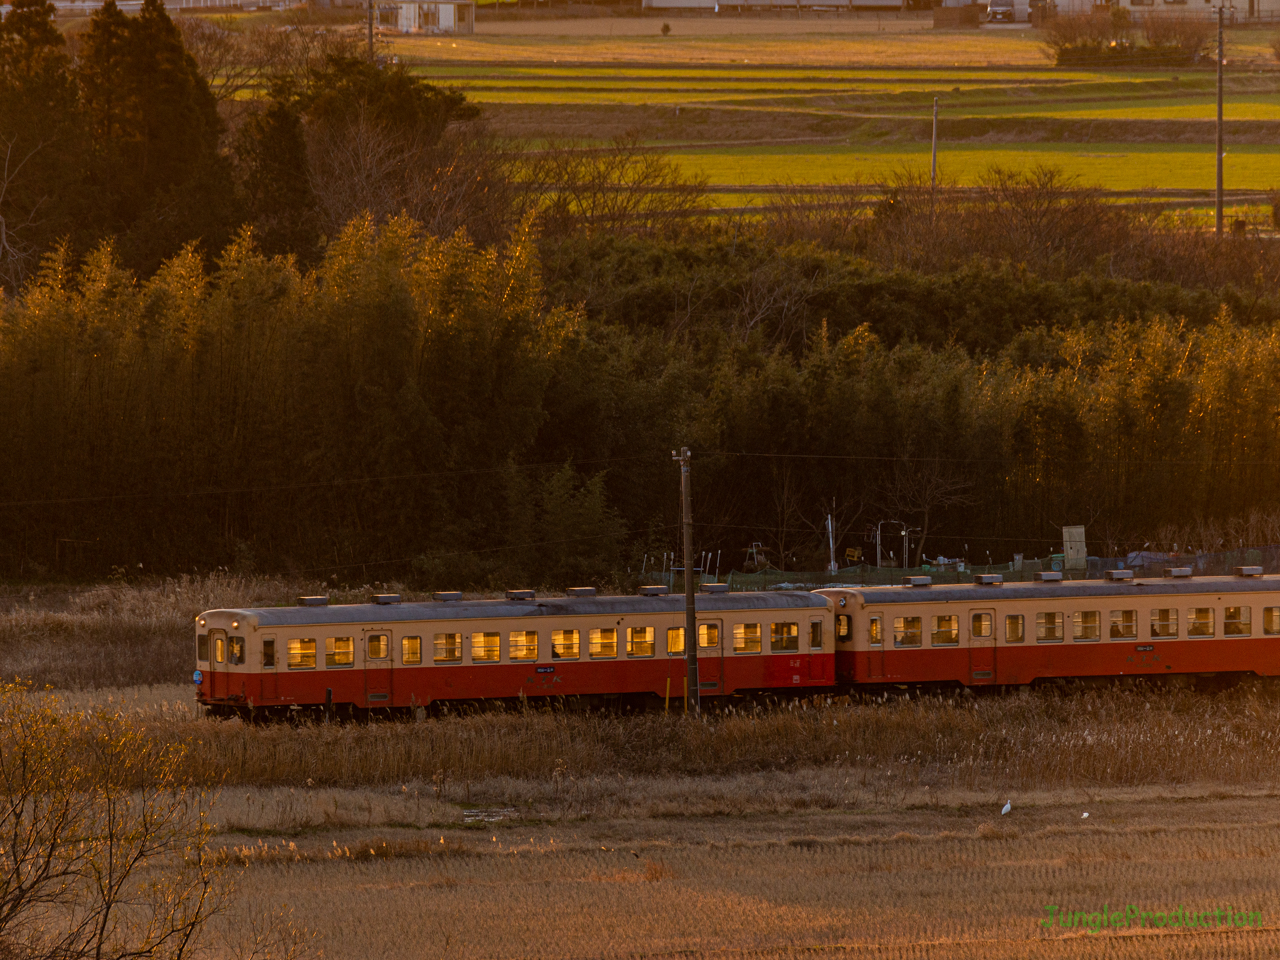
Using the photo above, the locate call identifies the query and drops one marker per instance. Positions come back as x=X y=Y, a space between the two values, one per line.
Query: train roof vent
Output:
x=659 y=590
x=1248 y=571
x=580 y=592
x=447 y=596
x=1177 y=571
x=988 y=579
x=1049 y=576
x=386 y=598
x=520 y=594
x=714 y=587
x=313 y=601
x=917 y=581
x=1118 y=574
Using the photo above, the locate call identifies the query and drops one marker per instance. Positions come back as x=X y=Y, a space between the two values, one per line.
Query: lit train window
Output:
x=524 y=645
x=981 y=625
x=1124 y=624
x=815 y=635
x=484 y=647
x=379 y=645
x=946 y=631
x=784 y=637
x=1015 y=630
x=746 y=638
x=1200 y=622
x=844 y=629
x=269 y=654
x=237 y=650
x=709 y=634
x=1237 y=622
x=602 y=644
x=448 y=648
x=564 y=644
x=220 y=648
x=202 y=647
x=1086 y=626
x=302 y=654
x=908 y=631
x=1164 y=623
x=640 y=642
x=1048 y=628
x=339 y=651
x=875 y=632
x=1271 y=621
x=410 y=650
x=675 y=639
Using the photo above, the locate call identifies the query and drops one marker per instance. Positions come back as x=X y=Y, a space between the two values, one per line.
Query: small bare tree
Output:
x=920 y=487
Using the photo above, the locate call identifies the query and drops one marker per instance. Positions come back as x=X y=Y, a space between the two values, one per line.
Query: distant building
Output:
x=437 y=16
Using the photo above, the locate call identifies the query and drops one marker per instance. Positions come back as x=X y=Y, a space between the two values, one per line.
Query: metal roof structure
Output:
x=380 y=613
x=976 y=594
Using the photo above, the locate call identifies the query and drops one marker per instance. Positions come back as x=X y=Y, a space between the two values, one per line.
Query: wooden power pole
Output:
x=690 y=610
x=1218 y=209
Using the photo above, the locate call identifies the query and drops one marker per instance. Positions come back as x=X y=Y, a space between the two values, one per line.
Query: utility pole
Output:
x=1218 y=212
x=690 y=612
x=933 y=169
x=370 y=31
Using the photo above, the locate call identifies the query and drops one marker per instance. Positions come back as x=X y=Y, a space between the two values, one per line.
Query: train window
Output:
x=602 y=644
x=269 y=654
x=220 y=648
x=302 y=654
x=1124 y=624
x=708 y=634
x=339 y=651
x=946 y=631
x=485 y=647
x=1049 y=628
x=202 y=647
x=981 y=625
x=378 y=646
x=815 y=634
x=410 y=650
x=1086 y=626
x=564 y=644
x=237 y=650
x=1271 y=621
x=675 y=639
x=746 y=638
x=1164 y=623
x=1237 y=622
x=844 y=628
x=448 y=648
x=524 y=645
x=907 y=631
x=639 y=641
x=1200 y=622
x=1015 y=629
x=784 y=637
x=875 y=632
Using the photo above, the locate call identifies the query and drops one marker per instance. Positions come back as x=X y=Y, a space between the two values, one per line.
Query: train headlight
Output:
x=235 y=624
x=202 y=621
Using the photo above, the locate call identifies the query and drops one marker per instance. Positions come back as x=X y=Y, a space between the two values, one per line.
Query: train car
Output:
x=394 y=657
x=990 y=632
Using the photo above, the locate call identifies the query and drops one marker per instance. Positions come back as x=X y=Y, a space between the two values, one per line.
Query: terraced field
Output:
x=853 y=101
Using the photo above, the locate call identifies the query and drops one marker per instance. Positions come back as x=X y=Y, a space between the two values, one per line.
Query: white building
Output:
x=437 y=16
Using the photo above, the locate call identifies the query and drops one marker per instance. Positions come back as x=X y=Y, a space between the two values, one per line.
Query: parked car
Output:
x=1001 y=10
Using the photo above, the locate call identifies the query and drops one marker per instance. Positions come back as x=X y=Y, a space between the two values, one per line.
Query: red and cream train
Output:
x=395 y=657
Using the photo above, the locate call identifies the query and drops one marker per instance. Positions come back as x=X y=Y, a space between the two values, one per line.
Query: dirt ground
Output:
x=910 y=876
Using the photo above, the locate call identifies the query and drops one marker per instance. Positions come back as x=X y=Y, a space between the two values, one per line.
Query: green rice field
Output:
x=843 y=101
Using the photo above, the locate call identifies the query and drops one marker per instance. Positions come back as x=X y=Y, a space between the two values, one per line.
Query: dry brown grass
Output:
x=1115 y=736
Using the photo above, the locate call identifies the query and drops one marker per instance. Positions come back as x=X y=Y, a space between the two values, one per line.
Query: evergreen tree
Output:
x=272 y=152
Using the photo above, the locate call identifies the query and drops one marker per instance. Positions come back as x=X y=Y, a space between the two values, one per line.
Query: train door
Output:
x=270 y=690
x=875 y=646
x=377 y=668
x=817 y=640
x=982 y=647
x=711 y=657
x=218 y=677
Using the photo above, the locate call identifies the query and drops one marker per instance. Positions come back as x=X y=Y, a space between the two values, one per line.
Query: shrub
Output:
x=1176 y=39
